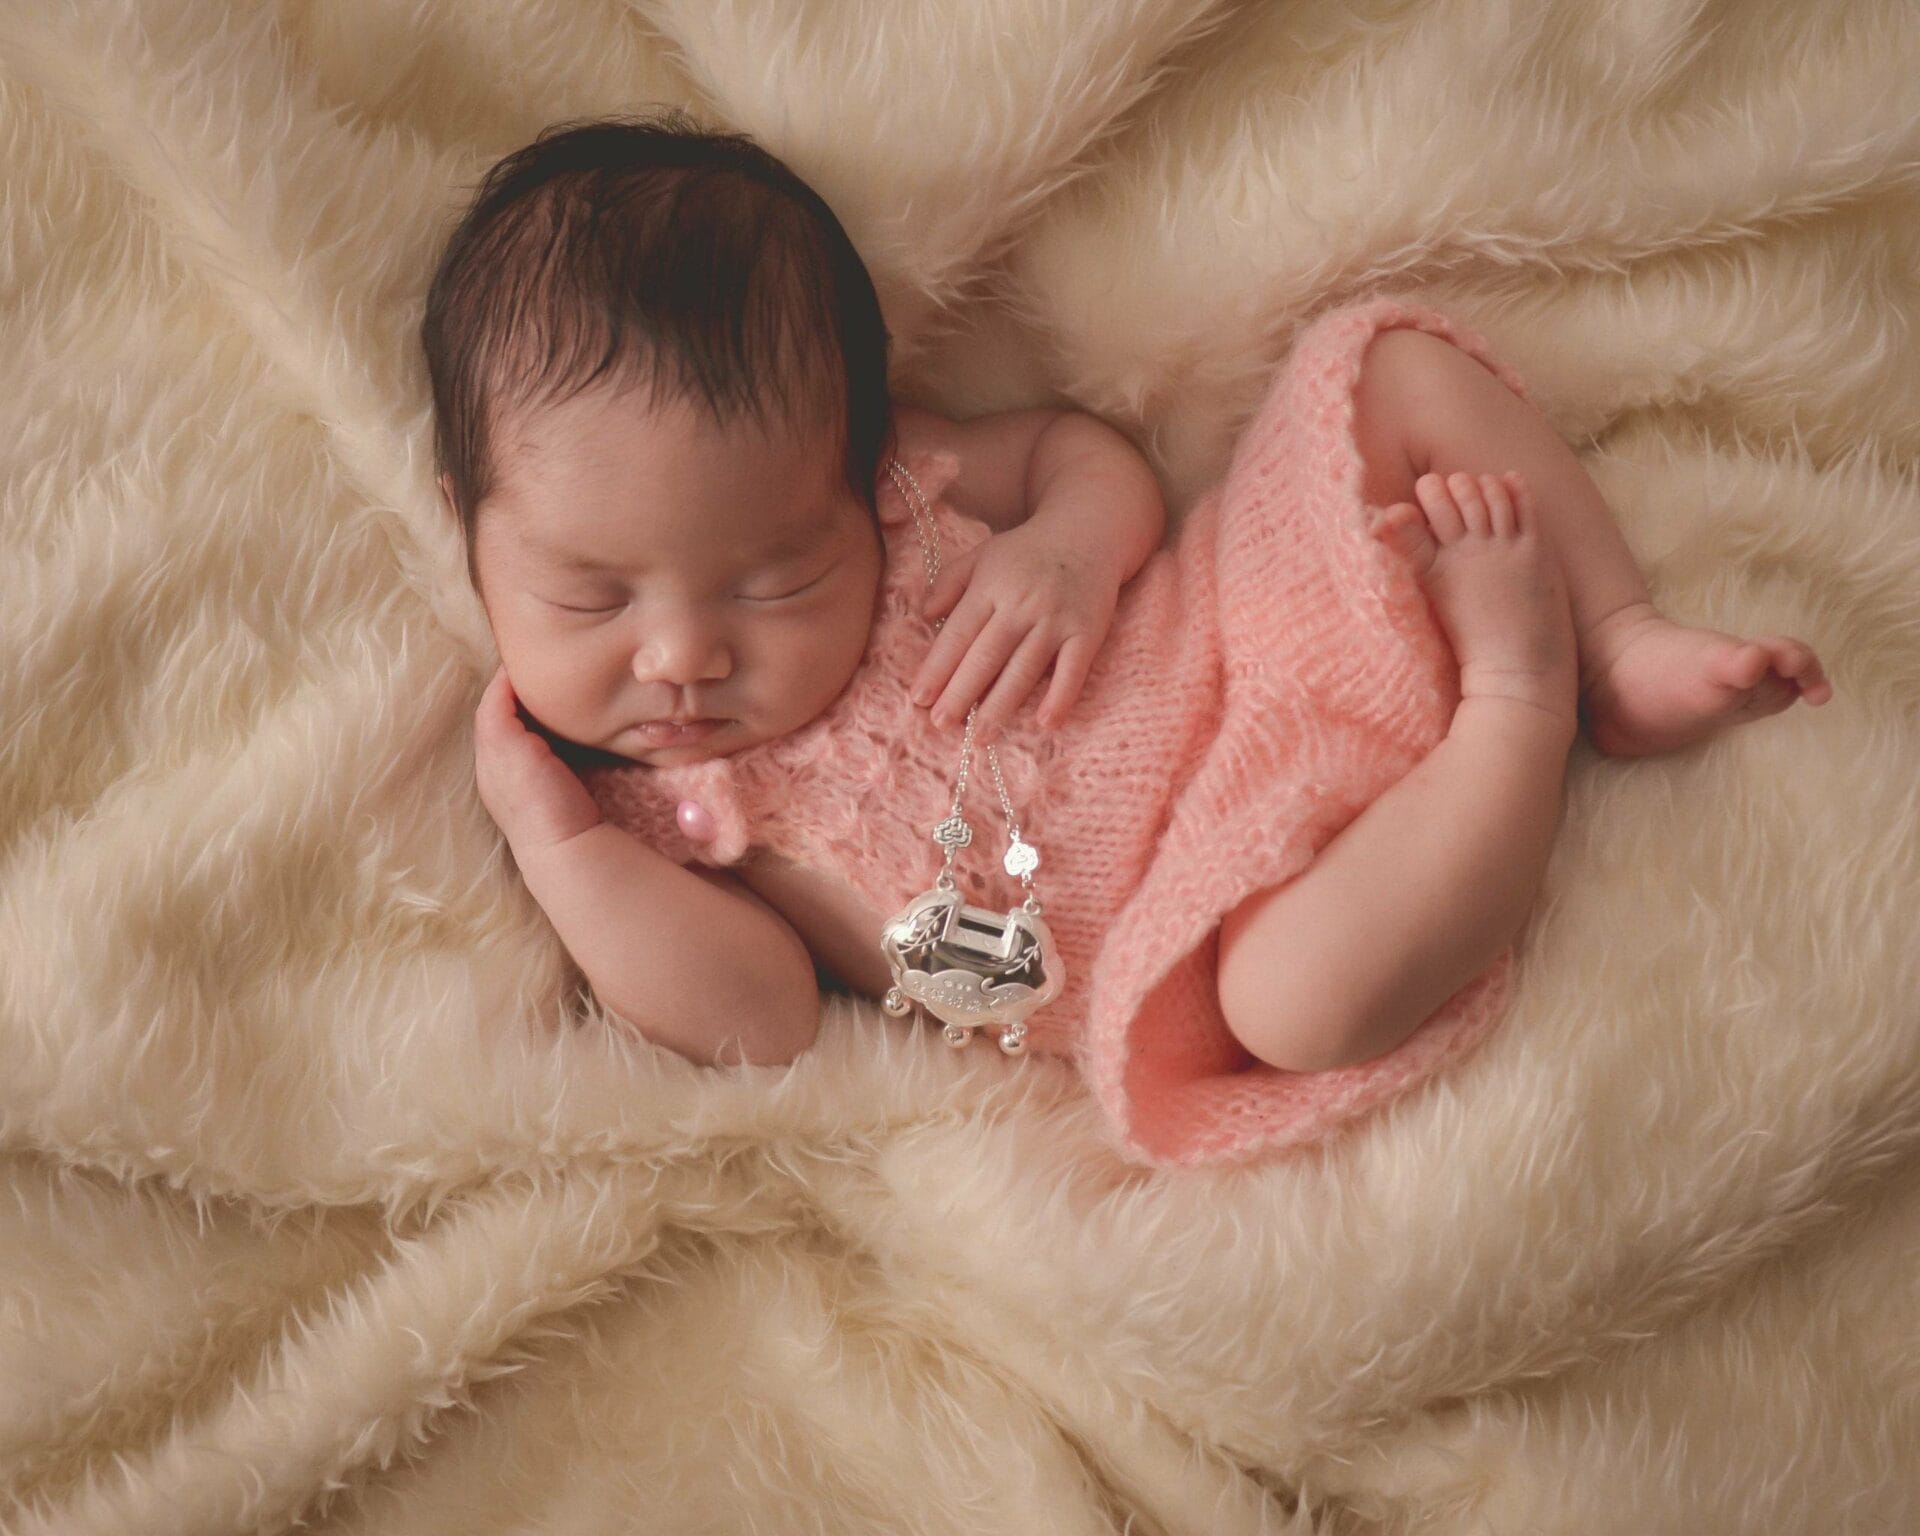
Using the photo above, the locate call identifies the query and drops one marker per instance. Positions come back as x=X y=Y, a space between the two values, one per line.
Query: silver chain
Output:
x=956 y=832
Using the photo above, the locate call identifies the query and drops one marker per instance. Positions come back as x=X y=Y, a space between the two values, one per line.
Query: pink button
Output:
x=695 y=821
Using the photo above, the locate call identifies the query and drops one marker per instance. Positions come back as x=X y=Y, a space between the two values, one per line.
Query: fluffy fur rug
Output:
x=329 y=1202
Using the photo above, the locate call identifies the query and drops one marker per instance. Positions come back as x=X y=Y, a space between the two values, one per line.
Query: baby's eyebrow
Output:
x=794 y=543
x=570 y=562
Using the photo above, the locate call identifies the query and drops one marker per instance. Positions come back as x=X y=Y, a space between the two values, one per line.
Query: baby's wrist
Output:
x=546 y=848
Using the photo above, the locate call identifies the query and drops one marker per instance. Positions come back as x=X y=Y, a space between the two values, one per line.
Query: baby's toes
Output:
x=1741 y=666
x=1473 y=507
x=1773 y=694
x=1493 y=491
x=1520 y=493
x=1443 y=516
x=1402 y=527
x=1795 y=661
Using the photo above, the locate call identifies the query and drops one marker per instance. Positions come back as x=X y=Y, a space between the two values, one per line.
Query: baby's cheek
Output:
x=568 y=689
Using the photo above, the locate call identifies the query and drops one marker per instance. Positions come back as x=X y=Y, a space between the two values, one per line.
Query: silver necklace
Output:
x=971 y=967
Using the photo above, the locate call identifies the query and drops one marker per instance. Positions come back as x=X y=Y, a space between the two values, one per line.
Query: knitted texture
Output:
x=1266 y=677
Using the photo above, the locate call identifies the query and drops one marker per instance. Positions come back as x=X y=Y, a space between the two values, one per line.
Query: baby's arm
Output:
x=690 y=957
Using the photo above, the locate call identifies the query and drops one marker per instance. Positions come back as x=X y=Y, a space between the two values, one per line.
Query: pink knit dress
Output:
x=1267 y=676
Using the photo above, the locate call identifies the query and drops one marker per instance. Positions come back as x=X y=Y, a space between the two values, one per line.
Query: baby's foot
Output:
x=1651 y=685
x=1495 y=586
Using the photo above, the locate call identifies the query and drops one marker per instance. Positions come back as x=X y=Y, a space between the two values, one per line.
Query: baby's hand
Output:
x=537 y=799
x=1025 y=600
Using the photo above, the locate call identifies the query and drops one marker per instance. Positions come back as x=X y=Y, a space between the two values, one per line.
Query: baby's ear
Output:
x=445 y=482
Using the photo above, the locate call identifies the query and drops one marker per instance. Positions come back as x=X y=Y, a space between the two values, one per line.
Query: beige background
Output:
x=322 y=1196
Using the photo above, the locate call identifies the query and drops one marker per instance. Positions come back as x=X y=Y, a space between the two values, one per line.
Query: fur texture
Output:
x=326 y=1200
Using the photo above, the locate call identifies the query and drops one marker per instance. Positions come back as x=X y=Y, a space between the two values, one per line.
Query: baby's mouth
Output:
x=666 y=732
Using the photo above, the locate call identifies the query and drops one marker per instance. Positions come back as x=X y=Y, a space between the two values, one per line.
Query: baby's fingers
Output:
x=1070 y=669
x=498 y=687
x=501 y=728
x=956 y=636
x=498 y=710
x=1017 y=680
x=980 y=666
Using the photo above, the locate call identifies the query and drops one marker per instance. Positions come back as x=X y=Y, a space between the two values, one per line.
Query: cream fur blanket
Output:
x=329 y=1202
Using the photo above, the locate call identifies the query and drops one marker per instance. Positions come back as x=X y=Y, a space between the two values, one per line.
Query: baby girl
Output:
x=1294 y=779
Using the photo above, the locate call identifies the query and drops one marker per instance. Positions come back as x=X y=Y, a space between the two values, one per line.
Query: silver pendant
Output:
x=970 y=967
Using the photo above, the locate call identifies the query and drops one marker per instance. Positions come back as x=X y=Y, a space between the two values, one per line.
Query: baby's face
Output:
x=638 y=562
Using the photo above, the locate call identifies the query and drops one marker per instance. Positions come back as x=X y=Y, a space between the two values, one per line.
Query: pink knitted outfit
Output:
x=1266 y=677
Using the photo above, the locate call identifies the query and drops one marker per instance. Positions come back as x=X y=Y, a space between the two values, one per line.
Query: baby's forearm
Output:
x=705 y=971
x=1089 y=481
x=1414 y=896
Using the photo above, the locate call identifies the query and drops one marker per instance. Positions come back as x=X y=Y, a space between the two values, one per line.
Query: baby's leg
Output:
x=1418 y=893
x=1429 y=418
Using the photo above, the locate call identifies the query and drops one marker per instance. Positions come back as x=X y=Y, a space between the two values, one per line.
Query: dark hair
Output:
x=649 y=250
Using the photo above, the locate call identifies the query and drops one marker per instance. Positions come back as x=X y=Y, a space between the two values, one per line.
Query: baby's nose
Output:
x=690 y=657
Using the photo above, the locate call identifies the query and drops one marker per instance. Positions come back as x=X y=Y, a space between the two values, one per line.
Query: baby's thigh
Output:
x=1259 y=980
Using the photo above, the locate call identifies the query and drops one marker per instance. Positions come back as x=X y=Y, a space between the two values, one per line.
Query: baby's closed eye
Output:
x=778 y=591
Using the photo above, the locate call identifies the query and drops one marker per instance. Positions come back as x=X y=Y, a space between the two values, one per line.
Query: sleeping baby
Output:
x=1292 y=776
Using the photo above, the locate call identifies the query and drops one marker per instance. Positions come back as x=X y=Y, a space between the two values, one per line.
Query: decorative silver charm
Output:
x=954 y=832
x=1022 y=858
x=970 y=967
